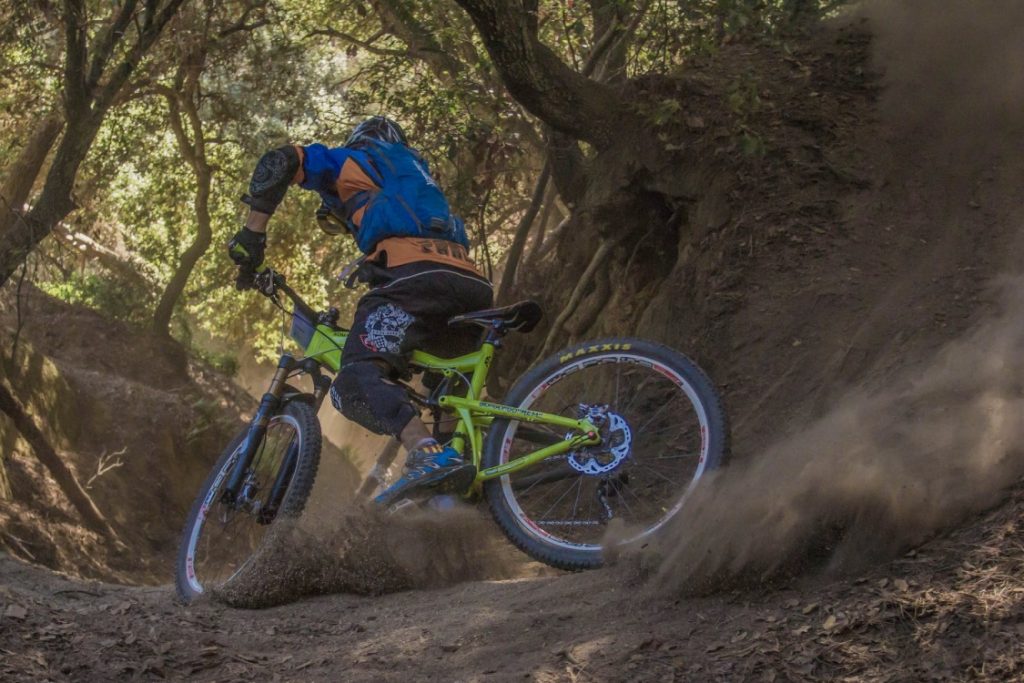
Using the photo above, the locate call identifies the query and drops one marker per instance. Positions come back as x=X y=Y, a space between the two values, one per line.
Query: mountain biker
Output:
x=416 y=266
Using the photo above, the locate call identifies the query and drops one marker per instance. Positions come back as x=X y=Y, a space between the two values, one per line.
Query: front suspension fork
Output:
x=269 y=405
x=280 y=486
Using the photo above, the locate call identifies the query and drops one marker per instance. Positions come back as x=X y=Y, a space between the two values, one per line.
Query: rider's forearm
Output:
x=257 y=221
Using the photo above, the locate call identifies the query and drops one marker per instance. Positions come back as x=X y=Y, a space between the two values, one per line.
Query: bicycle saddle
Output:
x=521 y=317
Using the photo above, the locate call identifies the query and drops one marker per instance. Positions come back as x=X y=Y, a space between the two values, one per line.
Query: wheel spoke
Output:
x=650 y=469
x=656 y=414
x=575 y=503
x=579 y=480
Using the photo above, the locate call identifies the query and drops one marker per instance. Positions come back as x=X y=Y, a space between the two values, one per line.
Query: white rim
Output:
x=558 y=375
x=204 y=509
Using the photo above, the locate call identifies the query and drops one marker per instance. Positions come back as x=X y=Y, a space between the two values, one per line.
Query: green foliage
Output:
x=302 y=71
x=29 y=71
x=102 y=293
x=660 y=112
x=673 y=31
x=223 y=361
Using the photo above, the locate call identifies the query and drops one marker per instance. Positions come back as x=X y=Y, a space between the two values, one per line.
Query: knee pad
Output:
x=362 y=393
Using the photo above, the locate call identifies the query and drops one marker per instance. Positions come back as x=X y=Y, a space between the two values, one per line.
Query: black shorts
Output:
x=408 y=308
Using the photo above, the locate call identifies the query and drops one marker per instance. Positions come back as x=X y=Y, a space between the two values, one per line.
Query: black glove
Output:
x=246 y=249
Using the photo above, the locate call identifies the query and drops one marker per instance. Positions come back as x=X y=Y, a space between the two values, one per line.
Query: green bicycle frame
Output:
x=474 y=414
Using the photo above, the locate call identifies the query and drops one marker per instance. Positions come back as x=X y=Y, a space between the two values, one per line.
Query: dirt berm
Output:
x=860 y=309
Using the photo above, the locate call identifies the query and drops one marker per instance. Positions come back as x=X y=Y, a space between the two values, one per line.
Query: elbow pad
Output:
x=270 y=180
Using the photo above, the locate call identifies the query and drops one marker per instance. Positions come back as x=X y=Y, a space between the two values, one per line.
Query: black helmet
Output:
x=377 y=128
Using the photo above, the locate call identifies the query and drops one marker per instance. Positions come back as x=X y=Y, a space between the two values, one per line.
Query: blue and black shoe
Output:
x=430 y=469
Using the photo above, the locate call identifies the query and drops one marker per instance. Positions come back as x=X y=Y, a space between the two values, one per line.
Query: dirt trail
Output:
x=948 y=609
x=878 y=360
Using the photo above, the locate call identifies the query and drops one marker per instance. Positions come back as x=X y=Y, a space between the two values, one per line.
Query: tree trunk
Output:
x=21 y=175
x=88 y=96
x=609 y=64
x=564 y=99
x=54 y=202
x=515 y=252
x=204 y=237
x=65 y=479
x=183 y=115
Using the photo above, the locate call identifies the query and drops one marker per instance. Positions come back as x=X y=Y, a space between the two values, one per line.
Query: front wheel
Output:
x=221 y=538
x=662 y=426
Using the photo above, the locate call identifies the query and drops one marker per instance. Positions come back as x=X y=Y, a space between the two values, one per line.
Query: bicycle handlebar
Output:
x=269 y=282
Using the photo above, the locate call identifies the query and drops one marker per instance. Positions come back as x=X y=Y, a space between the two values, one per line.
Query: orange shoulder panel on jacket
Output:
x=353 y=179
x=300 y=173
x=357 y=216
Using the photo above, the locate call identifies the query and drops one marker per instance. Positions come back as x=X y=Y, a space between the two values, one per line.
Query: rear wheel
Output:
x=220 y=539
x=662 y=426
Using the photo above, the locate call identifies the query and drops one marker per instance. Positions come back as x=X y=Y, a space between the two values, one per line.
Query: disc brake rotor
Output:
x=616 y=438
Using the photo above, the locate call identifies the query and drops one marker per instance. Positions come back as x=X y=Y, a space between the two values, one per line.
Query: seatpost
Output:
x=495 y=332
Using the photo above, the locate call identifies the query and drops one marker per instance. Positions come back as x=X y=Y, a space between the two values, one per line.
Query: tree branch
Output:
x=104 y=46
x=177 y=126
x=243 y=23
x=358 y=42
x=151 y=29
x=92 y=250
x=402 y=23
x=618 y=35
x=75 y=93
x=550 y=90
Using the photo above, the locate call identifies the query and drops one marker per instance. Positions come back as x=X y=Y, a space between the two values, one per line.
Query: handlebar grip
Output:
x=238 y=253
x=241 y=258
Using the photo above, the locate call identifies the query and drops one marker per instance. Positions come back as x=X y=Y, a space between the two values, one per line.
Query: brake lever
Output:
x=265 y=285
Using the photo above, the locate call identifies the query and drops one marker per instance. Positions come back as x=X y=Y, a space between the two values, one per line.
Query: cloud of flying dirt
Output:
x=886 y=469
x=369 y=553
x=953 y=72
x=880 y=473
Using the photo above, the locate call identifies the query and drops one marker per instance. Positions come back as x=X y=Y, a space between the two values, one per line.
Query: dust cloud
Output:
x=882 y=472
x=368 y=552
x=886 y=469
